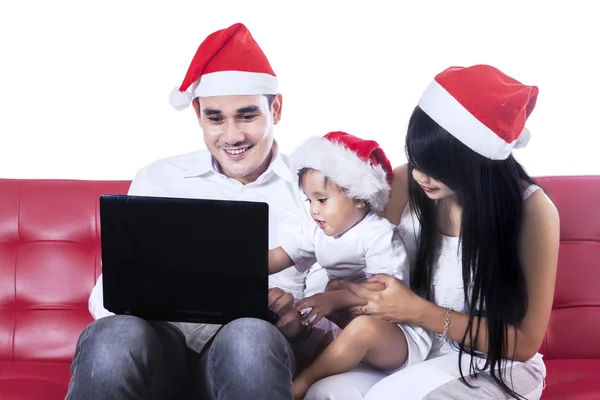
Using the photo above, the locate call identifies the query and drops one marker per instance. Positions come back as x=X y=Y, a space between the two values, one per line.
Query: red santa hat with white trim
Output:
x=227 y=62
x=482 y=107
x=359 y=166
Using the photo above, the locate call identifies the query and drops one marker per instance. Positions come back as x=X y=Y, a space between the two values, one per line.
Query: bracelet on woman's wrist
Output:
x=447 y=318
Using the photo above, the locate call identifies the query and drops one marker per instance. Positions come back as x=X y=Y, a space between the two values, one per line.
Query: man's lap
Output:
x=245 y=356
x=252 y=339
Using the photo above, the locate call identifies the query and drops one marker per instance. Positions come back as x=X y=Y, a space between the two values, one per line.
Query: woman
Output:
x=485 y=244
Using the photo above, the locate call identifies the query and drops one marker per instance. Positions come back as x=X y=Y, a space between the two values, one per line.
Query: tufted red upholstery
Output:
x=572 y=345
x=49 y=261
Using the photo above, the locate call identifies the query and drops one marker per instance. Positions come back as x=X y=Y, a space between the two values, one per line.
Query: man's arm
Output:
x=140 y=186
x=96 y=301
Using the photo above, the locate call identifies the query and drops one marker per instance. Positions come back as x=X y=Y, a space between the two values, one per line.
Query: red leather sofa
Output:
x=50 y=259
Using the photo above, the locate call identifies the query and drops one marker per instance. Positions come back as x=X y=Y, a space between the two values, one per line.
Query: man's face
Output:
x=238 y=131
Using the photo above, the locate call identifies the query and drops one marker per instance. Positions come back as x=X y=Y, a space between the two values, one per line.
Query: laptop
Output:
x=184 y=260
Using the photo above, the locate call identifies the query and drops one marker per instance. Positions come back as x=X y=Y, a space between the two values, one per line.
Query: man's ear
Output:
x=276 y=108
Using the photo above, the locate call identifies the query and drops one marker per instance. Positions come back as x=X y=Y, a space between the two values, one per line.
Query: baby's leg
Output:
x=377 y=342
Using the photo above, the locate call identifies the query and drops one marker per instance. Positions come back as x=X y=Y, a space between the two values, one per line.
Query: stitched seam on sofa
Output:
x=15 y=312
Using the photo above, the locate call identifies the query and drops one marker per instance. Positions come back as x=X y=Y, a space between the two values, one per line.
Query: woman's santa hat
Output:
x=359 y=166
x=227 y=62
x=482 y=107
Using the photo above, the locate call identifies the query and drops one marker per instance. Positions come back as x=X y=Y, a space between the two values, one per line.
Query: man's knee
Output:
x=110 y=338
x=248 y=340
x=249 y=356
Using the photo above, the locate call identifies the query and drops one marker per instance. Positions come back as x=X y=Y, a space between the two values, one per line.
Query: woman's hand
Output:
x=395 y=303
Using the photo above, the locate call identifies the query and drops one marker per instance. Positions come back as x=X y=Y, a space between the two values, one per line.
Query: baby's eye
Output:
x=322 y=201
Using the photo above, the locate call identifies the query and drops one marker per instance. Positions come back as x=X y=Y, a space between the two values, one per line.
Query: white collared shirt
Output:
x=197 y=175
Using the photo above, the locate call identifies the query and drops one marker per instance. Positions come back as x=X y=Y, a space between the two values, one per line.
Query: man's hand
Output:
x=282 y=304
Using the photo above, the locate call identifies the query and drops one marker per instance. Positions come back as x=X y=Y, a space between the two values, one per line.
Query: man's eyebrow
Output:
x=211 y=111
x=248 y=109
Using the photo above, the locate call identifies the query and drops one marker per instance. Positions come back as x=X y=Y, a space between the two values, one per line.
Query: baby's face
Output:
x=331 y=209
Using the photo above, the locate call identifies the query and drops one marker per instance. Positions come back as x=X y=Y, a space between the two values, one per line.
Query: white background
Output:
x=84 y=85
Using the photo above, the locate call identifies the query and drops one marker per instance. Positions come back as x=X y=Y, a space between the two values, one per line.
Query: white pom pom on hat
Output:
x=180 y=100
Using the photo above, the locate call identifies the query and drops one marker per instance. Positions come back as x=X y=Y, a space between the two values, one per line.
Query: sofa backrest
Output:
x=574 y=327
x=49 y=262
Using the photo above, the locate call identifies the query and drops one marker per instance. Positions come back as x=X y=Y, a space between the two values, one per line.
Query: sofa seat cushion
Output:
x=34 y=380
x=572 y=380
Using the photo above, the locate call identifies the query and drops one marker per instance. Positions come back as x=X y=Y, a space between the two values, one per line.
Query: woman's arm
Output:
x=539 y=256
x=399 y=195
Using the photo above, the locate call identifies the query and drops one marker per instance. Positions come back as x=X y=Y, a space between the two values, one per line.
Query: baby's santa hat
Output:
x=482 y=107
x=357 y=165
x=227 y=62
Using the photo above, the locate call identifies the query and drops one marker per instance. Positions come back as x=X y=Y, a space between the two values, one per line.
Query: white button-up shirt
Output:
x=197 y=175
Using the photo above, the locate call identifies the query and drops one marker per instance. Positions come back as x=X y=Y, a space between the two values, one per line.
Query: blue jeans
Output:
x=124 y=357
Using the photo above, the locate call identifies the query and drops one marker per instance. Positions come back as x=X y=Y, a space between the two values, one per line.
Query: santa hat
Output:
x=482 y=107
x=227 y=62
x=356 y=165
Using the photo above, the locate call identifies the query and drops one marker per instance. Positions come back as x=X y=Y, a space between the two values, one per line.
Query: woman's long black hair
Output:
x=491 y=195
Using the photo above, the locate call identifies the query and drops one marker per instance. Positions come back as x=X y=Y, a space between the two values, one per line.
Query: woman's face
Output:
x=435 y=190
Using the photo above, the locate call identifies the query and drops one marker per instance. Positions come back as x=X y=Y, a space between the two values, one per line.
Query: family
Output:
x=431 y=280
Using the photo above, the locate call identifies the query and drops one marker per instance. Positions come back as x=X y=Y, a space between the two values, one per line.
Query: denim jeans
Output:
x=126 y=358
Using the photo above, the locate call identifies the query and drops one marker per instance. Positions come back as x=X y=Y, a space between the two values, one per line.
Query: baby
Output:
x=347 y=182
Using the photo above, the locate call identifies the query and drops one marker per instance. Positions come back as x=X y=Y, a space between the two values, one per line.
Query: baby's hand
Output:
x=320 y=305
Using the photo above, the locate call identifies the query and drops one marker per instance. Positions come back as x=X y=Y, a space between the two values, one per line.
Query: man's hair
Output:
x=270 y=100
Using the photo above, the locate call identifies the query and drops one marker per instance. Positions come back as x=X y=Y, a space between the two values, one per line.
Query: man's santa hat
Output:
x=359 y=166
x=482 y=107
x=227 y=62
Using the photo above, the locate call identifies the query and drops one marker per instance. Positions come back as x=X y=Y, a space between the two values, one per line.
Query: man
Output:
x=234 y=93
